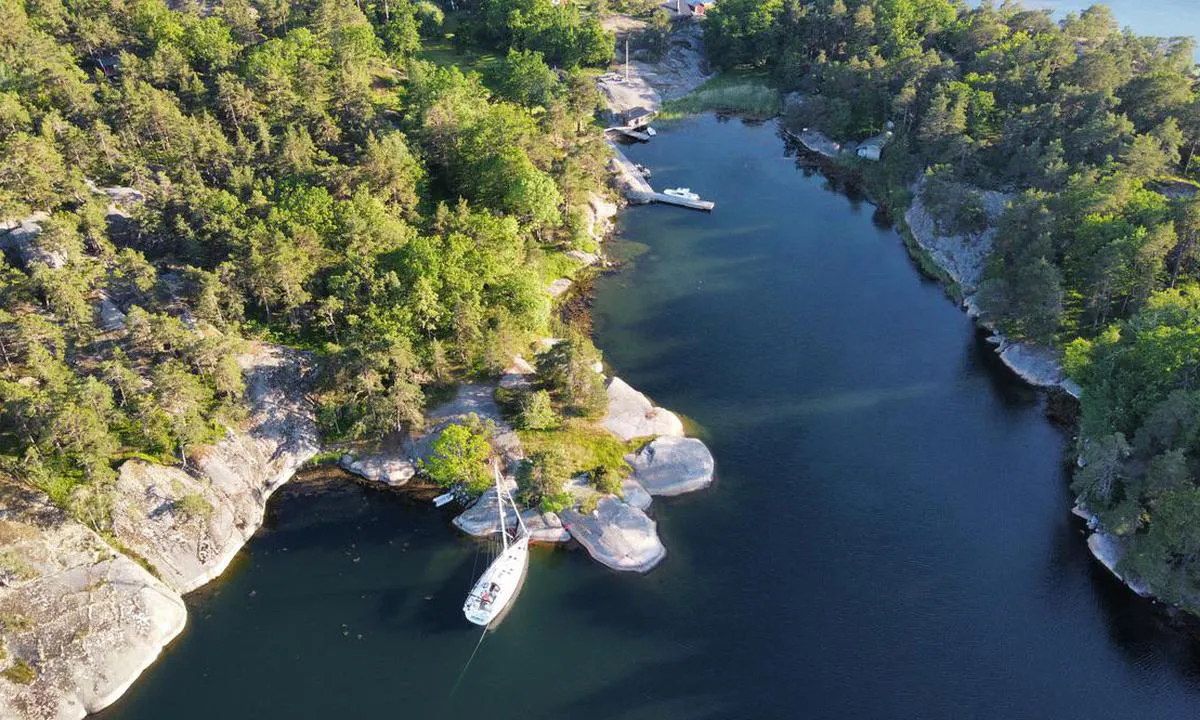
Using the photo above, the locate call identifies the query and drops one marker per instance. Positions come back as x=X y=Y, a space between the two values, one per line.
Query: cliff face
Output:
x=189 y=525
x=78 y=621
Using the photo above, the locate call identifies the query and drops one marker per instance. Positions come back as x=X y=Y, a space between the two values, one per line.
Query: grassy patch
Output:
x=745 y=93
x=557 y=265
x=20 y=672
x=15 y=622
x=585 y=445
x=132 y=554
x=444 y=54
x=327 y=457
x=15 y=566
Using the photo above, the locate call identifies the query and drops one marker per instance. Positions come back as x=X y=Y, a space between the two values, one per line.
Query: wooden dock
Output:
x=639 y=192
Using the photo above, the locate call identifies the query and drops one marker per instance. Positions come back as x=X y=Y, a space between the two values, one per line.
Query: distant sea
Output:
x=1167 y=18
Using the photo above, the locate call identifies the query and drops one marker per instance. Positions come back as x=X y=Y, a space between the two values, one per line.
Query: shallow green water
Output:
x=889 y=535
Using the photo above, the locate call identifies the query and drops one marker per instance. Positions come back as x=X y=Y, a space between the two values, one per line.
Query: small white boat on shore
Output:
x=499 y=583
x=685 y=193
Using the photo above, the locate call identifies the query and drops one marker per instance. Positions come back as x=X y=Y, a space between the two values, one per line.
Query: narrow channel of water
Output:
x=889 y=536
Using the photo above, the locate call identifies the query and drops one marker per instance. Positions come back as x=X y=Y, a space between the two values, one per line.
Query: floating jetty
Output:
x=639 y=192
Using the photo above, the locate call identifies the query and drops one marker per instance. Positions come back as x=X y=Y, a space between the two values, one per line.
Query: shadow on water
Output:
x=443 y=614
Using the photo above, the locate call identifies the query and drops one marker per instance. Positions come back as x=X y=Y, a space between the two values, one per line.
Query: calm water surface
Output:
x=889 y=536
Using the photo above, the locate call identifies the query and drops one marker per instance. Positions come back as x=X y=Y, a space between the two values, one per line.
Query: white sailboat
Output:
x=499 y=583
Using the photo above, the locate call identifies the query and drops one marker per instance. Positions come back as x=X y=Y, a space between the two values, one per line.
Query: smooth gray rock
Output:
x=109 y=315
x=673 y=466
x=1036 y=365
x=635 y=495
x=600 y=213
x=586 y=258
x=518 y=374
x=617 y=535
x=962 y=258
x=632 y=415
x=93 y=618
x=545 y=527
x=469 y=398
x=391 y=469
x=21 y=237
x=482 y=519
x=559 y=286
x=1109 y=550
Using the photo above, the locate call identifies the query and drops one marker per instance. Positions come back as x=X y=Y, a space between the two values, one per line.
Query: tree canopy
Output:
x=303 y=177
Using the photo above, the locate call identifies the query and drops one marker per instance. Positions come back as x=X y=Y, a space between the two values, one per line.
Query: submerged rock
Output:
x=632 y=415
x=617 y=535
x=86 y=619
x=673 y=466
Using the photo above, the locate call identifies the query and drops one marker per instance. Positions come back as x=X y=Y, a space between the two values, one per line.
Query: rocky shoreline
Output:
x=91 y=619
x=962 y=260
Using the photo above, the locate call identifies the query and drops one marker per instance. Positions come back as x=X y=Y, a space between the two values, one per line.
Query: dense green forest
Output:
x=320 y=173
x=1093 y=131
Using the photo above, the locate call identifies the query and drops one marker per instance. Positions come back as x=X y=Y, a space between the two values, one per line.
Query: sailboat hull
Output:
x=498 y=585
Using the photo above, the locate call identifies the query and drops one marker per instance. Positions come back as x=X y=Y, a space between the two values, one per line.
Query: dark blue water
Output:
x=889 y=536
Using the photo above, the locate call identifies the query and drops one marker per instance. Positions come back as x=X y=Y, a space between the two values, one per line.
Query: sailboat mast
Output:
x=517 y=510
x=500 y=505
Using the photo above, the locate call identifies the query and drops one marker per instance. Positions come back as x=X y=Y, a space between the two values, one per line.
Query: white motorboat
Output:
x=685 y=193
x=499 y=583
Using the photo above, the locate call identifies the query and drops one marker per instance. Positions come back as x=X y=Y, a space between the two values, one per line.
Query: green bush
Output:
x=460 y=455
x=537 y=412
x=567 y=371
x=605 y=481
x=194 y=506
x=541 y=479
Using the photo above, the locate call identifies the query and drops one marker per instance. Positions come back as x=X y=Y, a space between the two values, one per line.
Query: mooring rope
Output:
x=463 y=674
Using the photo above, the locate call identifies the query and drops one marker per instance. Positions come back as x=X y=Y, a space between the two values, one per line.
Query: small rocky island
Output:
x=614 y=528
